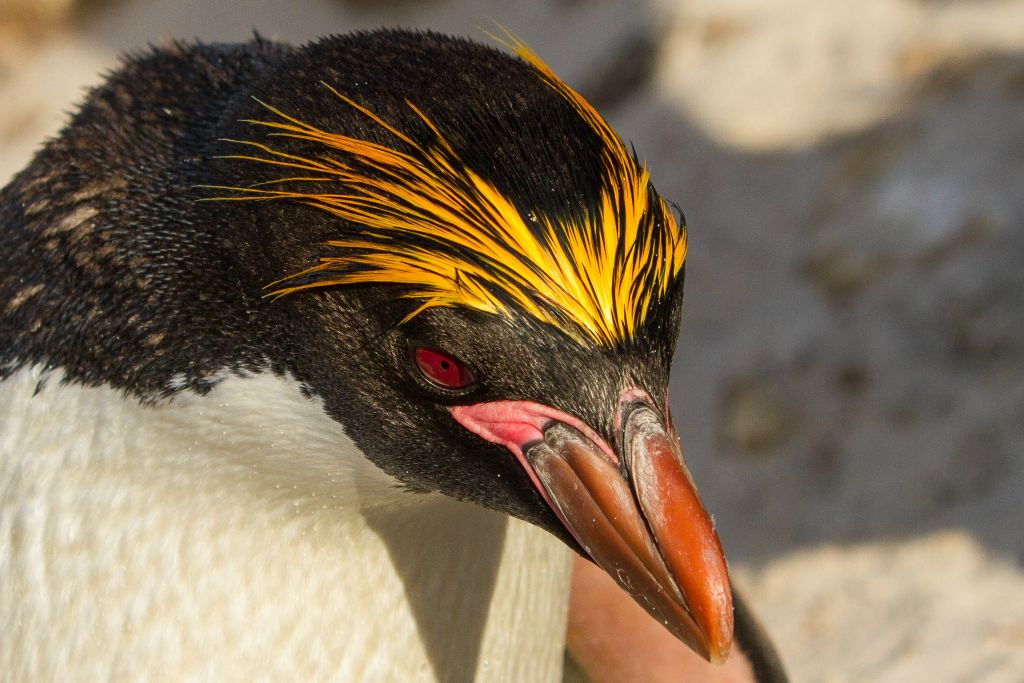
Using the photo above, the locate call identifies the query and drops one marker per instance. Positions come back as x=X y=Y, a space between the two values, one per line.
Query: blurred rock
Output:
x=841 y=618
x=796 y=72
x=843 y=270
x=35 y=10
x=756 y=417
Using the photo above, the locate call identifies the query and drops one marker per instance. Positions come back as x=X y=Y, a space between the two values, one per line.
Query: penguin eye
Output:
x=443 y=370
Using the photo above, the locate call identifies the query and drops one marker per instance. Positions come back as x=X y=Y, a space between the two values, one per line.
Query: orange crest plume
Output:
x=450 y=238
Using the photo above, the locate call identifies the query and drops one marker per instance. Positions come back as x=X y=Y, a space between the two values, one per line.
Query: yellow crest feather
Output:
x=596 y=283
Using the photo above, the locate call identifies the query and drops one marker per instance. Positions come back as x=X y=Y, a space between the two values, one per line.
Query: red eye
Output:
x=443 y=370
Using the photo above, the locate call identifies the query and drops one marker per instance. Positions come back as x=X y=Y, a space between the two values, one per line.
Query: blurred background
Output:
x=849 y=378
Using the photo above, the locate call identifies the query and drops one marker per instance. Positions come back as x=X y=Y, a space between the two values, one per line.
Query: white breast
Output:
x=242 y=536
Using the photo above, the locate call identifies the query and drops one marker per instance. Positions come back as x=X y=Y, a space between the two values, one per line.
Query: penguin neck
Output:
x=242 y=532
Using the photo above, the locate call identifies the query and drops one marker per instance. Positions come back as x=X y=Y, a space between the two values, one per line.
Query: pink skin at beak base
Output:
x=514 y=424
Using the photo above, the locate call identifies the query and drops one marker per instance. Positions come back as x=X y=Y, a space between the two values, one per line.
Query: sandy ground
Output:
x=848 y=384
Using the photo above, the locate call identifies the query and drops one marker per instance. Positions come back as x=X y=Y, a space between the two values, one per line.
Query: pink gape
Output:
x=517 y=424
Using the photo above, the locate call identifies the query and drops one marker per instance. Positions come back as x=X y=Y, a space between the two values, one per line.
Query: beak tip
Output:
x=721 y=641
x=719 y=652
x=713 y=645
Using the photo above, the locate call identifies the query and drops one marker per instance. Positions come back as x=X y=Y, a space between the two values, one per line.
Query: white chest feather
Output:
x=242 y=536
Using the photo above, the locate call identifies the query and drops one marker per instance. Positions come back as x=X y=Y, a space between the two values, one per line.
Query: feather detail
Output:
x=450 y=238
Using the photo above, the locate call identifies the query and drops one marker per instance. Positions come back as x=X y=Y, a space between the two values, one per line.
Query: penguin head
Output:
x=482 y=284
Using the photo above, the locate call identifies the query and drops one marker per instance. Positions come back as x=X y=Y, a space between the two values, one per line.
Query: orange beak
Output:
x=636 y=512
